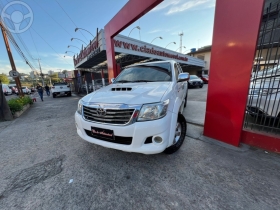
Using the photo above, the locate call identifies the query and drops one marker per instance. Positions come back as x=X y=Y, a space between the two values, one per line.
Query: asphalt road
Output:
x=44 y=164
x=8 y=97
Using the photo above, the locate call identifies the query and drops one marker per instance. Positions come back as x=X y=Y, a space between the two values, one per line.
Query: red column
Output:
x=236 y=29
x=118 y=69
x=132 y=11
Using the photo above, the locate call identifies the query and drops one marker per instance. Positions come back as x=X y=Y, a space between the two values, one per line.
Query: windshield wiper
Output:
x=122 y=81
x=142 y=80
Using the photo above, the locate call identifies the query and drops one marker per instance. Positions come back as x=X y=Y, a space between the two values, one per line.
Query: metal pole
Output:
x=41 y=71
x=20 y=93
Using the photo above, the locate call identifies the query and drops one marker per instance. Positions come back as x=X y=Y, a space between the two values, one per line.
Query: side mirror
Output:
x=112 y=80
x=183 y=77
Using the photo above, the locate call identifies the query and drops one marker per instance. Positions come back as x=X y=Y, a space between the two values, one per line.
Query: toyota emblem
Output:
x=101 y=112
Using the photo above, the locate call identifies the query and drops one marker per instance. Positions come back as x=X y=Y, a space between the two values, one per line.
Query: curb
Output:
x=195 y=123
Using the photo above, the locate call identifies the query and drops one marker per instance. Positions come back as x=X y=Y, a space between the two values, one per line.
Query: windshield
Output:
x=193 y=77
x=155 y=72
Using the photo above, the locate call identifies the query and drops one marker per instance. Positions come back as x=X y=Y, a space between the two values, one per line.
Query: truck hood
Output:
x=129 y=93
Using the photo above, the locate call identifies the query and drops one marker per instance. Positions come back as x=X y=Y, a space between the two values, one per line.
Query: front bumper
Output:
x=139 y=131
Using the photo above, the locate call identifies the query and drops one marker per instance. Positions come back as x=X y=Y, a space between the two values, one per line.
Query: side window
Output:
x=200 y=57
x=176 y=71
x=180 y=69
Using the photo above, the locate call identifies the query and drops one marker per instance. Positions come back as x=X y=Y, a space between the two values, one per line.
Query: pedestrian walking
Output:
x=40 y=91
x=47 y=88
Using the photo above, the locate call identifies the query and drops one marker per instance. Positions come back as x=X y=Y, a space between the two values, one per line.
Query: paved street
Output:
x=44 y=164
x=8 y=97
x=198 y=94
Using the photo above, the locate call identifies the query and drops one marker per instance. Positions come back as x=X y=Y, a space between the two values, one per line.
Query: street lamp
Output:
x=76 y=29
x=69 y=51
x=78 y=39
x=156 y=38
x=73 y=46
x=179 y=48
x=138 y=27
x=170 y=43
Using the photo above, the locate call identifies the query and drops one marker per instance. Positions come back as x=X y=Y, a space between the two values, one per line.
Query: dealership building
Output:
x=92 y=60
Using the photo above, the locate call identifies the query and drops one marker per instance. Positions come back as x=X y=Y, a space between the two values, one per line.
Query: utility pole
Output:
x=3 y=29
x=181 y=35
x=40 y=71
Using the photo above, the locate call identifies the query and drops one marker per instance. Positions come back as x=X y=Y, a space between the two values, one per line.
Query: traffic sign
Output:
x=13 y=73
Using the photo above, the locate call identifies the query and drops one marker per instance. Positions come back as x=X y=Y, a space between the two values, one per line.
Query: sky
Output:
x=48 y=27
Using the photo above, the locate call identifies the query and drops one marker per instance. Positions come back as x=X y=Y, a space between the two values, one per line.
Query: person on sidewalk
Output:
x=40 y=91
x=47 y=88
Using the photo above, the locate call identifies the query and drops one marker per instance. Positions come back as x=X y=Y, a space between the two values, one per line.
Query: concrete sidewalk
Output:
x=195 y=112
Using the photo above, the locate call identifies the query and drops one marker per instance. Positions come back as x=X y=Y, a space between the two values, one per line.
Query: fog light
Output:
x=158 y=139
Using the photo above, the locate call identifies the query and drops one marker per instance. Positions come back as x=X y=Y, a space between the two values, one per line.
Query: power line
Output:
x=53 y=19
x=69 y=17
x=49 y=45
x=34 y=43
x=21 y=40
x=17 y=48
x=20 y=52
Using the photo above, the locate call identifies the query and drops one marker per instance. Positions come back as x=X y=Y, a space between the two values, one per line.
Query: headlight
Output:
x=80 y=106
x=153 y=111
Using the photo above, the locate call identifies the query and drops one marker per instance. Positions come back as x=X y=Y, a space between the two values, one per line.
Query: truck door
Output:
x=180 y=86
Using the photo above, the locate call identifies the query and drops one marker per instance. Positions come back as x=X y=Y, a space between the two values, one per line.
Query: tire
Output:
x=185 y=104
x=180 y=139
x=201 y=86
x=69 y=94
x=54 y=95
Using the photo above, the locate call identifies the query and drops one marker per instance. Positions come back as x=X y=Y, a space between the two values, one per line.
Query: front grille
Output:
x=117 y=140
x=112 y=116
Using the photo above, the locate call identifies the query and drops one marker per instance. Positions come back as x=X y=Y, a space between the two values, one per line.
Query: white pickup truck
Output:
x=141 y=111
x=61 y=89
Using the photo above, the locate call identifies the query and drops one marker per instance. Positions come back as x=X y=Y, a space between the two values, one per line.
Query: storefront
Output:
x=128 y=51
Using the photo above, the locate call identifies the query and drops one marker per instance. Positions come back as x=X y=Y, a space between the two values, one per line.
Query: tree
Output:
x=4 y=79
x=54 y=77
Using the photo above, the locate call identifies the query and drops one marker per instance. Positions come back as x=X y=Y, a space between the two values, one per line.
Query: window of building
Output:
x=200 y=57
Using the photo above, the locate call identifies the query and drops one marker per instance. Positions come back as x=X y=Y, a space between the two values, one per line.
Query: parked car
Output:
x=6 y=90
x=32 y=89
x=264 y=95
x=13 y=88
x=204 y=78
x=25 y=90
x=195 y=81
x=141 y=111
x=60 y=89
x=98 y=84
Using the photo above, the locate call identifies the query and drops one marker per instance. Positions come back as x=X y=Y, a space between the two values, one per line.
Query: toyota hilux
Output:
x=141 y=111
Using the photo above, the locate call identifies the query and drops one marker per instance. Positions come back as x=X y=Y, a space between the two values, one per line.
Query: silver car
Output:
x=264 y=94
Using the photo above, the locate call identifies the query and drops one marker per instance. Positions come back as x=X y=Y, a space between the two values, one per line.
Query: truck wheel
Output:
x=54 y=95
x=180 y=133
